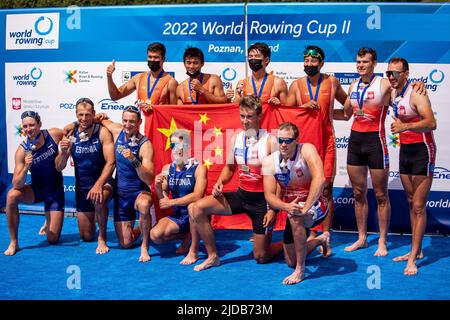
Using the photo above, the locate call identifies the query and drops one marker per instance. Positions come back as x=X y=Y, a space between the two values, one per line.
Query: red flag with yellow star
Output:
x=211 y=128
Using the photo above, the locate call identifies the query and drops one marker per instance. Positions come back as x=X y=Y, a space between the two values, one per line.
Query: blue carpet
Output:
x=39 y=271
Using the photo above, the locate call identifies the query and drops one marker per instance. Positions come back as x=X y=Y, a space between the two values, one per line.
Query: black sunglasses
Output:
x=395 y=74
x=287 y=140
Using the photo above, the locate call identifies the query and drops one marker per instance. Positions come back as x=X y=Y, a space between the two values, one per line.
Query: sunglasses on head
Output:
x=133 y=109
x=31 y=114
x=395 y=74
x=313 y=53
x=287 y=140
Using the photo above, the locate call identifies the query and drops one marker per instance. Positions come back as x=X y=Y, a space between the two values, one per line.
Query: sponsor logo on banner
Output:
x=28 y=79
x=341 y=142
x=441 y=173
x=32 y=31
x=109 y=104
x=67 y=105
x=19 y=131
x=345 y=200
x=30 y=104
x=75 y=76
x=228 y=75
x=394 y=141
x=346 y=78
x=16 y=103
x=432 y=80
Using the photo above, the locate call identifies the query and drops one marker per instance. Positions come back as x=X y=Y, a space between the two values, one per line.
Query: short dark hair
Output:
x=365 y=50
x=84 y=101
x=261 y=47
x=252 y=103
x=289 y=126
x=157 y=47
x=402 y=60
x=193 y=52
x=317 y=49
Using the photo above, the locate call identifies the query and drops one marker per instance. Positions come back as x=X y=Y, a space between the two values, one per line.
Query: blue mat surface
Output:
x=39 y=271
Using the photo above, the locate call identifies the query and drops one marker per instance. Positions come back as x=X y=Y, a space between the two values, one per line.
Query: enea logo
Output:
x=394 y=141
x=17 y=103
x=109 y=104
x=441 y=173
x=70 y=76
x=32 y=31
x=341 y=142
x=28 y=79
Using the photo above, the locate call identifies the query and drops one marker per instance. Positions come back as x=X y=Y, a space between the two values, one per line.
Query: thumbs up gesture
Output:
x=111 y=68
x=397 y=126
x=230 y=92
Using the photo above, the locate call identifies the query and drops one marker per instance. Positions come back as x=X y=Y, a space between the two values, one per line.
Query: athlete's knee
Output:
x=144 y=205
x=418 y=208
x=157 y=236
x=87 y=235
x=359 y=195
x=13 y=197
x=126 y=243
x=196 y=211
x=261 y=257
x=382 y=198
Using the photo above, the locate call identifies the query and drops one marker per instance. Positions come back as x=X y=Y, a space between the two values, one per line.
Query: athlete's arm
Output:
x=180 y=94
x=22 y=164
x=341 y=95
x=172 y=91
x=314 y=163
x=347 y=112
x=291 y=99
x=65 y=148
x=239 y=91
x=201 y=182
x=161 y=185
x=124 y=90
x=112 y=127
x=218 y=94
x=281 y=90
x=423 y=106
x=146 y=169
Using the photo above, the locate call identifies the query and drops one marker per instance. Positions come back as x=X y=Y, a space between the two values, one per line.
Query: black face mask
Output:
x=255 y=64
x=154 y=65
x=311 y=70
x=193 y=75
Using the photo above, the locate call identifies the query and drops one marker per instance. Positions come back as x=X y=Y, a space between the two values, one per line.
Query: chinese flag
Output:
x=212 y=127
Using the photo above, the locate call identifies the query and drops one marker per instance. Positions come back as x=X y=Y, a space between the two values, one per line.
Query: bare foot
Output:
x=12 y=249
x=296 y=277
x=208 y=263
x=312 y=236
x=102 y=247
x=145 y=257
x=43 y=229
x=326 y=246
x=382 y=250
x=191 y=258
x=405 y=257
x=360 y=244
x=411 y=268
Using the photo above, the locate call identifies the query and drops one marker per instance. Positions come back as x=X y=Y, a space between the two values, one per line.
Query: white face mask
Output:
x=185 y=152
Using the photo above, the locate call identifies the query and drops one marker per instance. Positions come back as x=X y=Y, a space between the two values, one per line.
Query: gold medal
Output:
x=245 y=168
x=360 y=112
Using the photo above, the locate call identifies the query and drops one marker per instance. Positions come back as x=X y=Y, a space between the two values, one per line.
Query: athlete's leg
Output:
x=299 y=234
x=124 y=232
x=143 y=204
x=55 y=221
x=358 y=178
x=421 y=186
x=13 y=198
x=198 y=213
x=328 y=222
x=101 y=213
x=380 y=187
x=192 y=255
x=407 y=182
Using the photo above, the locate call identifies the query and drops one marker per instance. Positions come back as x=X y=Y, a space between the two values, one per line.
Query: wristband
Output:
x=136 y=163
